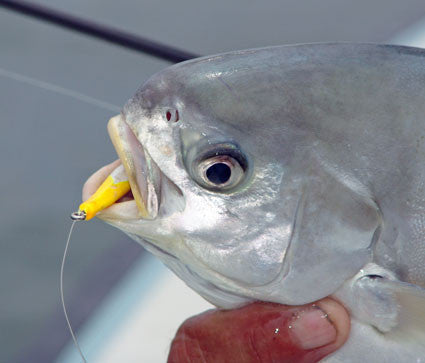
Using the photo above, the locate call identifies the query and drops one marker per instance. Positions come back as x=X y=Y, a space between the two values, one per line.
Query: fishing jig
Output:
x=115 y=186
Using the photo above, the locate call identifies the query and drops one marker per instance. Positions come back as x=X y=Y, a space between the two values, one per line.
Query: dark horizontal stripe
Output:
x=100 y=31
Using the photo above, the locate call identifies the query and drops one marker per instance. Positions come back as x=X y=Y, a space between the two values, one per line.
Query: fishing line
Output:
x=80 y=97
x=65 y=253
x=58 y=89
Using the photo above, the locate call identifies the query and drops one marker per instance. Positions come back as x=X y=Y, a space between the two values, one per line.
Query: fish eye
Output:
x=220 y=172
x=219 y=167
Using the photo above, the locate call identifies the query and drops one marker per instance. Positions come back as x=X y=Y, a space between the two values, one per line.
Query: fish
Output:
x=286 y=174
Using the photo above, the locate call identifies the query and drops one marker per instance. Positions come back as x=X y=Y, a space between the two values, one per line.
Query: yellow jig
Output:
x=113 y=188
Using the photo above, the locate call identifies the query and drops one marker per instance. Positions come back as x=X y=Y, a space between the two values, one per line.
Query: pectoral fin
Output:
x=411 y=311
x=387 y=319
x=375 y=297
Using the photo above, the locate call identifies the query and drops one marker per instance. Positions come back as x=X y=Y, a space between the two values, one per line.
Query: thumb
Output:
x=262 y=332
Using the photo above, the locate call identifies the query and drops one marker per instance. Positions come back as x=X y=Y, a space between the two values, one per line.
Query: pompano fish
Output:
x=287 y=174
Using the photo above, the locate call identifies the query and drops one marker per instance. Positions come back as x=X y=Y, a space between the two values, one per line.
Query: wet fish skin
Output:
x=334 y=140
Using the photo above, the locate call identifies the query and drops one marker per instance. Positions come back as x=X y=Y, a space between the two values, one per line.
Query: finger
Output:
x=262 y=332
x=97 y=178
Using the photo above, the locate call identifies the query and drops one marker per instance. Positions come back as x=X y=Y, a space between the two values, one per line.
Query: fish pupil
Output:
x=218 y=173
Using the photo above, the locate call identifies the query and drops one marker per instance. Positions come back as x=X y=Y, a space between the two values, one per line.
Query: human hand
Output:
x=262 y=332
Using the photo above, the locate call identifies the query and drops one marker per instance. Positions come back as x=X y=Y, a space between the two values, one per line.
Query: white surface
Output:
x=413 y=36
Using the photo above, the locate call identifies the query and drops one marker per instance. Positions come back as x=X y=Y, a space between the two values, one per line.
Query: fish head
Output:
x=211 y=192
x=227 y=189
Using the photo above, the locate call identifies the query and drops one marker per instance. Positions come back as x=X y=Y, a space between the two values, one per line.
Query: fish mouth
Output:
x=144 y=176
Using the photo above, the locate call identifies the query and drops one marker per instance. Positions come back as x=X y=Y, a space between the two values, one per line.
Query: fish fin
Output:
x=387 y=318
x=411 y=310
x=375 y=297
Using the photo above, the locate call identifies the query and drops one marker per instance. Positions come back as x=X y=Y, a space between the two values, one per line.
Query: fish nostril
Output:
x=172 y=115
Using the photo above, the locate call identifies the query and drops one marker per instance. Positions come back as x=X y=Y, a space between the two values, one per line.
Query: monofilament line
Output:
x=65 y=253
x=58 y=89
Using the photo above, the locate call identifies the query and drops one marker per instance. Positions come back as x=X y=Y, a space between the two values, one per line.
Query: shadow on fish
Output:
x=284 y=174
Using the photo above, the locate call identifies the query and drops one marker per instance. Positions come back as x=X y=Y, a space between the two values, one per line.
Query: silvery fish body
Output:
x=288 y=174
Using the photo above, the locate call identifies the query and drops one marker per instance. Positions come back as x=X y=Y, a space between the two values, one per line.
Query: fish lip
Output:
x=143 y=174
